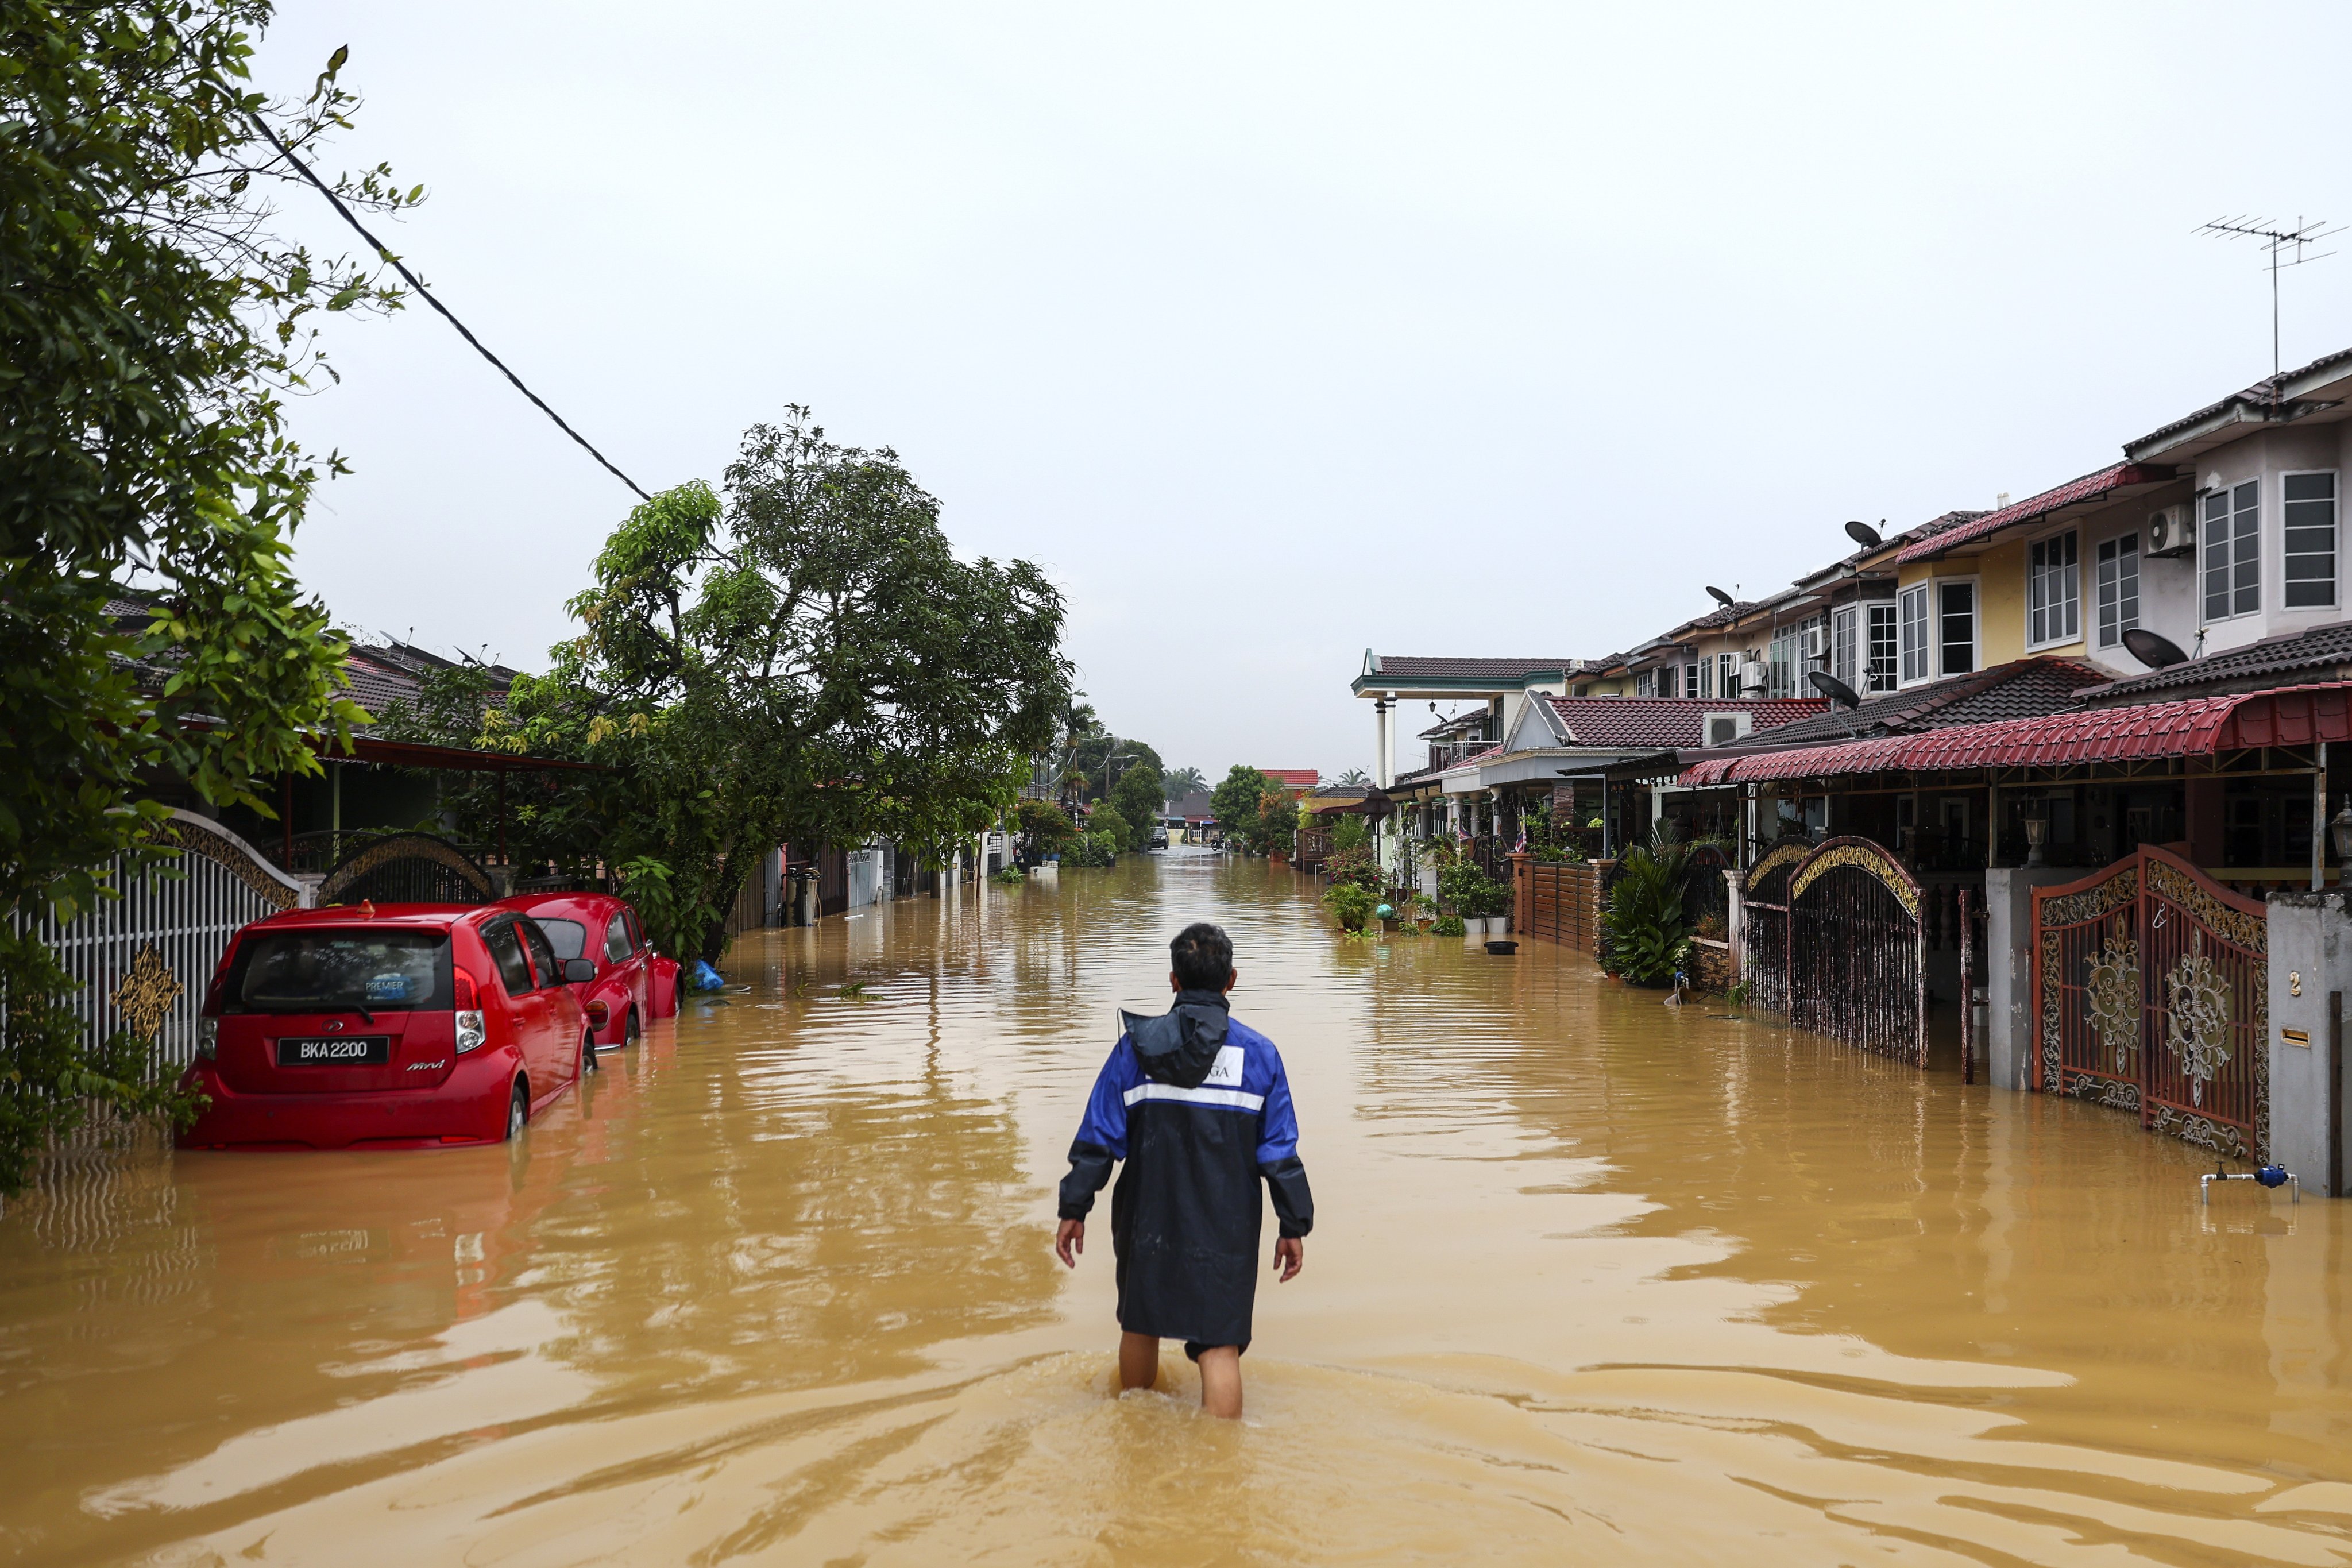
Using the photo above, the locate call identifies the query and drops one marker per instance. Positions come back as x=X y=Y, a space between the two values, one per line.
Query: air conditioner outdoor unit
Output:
x=1751 y=677
x=2172 y=531
x=1817 y=642
x=1722 y=729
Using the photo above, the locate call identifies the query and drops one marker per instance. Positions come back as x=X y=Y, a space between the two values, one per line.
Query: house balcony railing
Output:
x=1446 y=754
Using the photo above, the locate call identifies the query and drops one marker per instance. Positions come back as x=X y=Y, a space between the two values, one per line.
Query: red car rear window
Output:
x=340 y=969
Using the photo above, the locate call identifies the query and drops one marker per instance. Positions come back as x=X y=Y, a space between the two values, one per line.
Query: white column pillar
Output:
x=1384 y=739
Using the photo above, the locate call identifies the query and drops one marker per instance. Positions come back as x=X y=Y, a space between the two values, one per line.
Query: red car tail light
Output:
x=471 y=1031
x=599 y=1015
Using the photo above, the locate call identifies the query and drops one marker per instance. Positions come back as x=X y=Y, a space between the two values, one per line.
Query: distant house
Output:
x=1297 y=781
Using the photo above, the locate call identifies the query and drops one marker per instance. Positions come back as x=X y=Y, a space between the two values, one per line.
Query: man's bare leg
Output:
x=1139 y=1360
x=1221 y=1380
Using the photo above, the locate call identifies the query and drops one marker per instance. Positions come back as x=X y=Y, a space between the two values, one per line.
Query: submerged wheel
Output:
x=517 y=1108
x=587 y=1052
x=633 y=1031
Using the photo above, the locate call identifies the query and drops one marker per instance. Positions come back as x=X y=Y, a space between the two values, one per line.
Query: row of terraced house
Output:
x=2042 y=792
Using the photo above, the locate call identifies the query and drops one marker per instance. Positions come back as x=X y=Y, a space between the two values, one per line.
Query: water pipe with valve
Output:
x=2268 y=1177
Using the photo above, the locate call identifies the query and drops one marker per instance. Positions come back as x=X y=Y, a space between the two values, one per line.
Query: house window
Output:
x=2310 y=540
x=1879 y=674
x=1846 y=650
x=2227 y=530
x=1645 y=684
x=1726 y=675
x=2118 y=588
x=1702 y=676
x=1665 y=682
x=2053 y=609
x=1690 y=677
x=1913 y=609
x=1956 y=629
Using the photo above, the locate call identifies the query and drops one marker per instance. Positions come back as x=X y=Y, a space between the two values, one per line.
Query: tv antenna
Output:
x=2275 y=241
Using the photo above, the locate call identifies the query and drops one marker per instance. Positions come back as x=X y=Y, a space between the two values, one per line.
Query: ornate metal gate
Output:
x=1857 y=959
x=2151 y=987
x=142 y=960
x=1764 y=919
x=407 y=869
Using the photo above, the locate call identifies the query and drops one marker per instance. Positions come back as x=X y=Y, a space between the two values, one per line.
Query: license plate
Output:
x=336 y=1051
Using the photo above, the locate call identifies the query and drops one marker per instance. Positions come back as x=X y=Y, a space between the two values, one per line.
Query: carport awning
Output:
x=2194 y=727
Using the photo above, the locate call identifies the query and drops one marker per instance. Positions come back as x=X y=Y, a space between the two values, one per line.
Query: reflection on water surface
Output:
x=1593 y=1280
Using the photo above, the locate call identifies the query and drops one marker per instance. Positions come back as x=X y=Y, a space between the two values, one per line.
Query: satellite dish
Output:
x=1836 y=690
x=1862 y=534
x=1720 y=596
x=2156 y=652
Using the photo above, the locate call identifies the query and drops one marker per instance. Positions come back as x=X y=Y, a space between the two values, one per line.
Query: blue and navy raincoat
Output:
x=1199 y=1108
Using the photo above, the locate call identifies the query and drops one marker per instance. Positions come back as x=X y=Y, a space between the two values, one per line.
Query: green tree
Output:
x=1178 y=783
x=1140 y=795
x=1106 y=818
x=1235 y=802
x=150 y=323
x=1046 y=824
x=809 y=661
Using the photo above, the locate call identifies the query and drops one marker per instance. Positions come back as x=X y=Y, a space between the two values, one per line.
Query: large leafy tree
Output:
x=805 y=659
x=150 y=323
x=1178 y=783
x=1139 y=793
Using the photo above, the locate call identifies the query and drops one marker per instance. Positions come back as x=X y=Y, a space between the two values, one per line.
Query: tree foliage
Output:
x=807 y=661
x=1178 y=783
x=150 y=324
x=1138 y=793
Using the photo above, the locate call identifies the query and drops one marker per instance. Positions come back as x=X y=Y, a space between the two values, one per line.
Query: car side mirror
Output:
x=578 y=970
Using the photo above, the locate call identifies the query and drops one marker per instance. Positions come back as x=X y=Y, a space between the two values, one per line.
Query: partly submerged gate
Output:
x=1764 y=920
x=141 y=962
x=1857 y=962
x=407 y=869
x=2151 y=989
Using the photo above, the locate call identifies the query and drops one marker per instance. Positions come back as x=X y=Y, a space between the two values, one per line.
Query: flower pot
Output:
x=1474 y=929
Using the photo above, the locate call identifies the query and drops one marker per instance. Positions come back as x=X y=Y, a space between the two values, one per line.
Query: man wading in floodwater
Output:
x=1198 y=1106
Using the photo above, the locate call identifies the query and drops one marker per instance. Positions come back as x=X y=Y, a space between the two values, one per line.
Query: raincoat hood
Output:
x=1179 y=1047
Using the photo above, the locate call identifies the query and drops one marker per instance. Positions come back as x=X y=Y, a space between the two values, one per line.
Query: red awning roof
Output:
x=2090 y=486
x=2195 y=727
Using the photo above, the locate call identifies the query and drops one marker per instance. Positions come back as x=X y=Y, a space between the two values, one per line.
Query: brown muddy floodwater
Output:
x=1593 y=1282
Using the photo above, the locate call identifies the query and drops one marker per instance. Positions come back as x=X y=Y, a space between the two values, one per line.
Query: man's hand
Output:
x=1291 y=1257
x=1069 y=1238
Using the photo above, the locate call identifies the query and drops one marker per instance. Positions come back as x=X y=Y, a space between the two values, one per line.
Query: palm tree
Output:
x=1178 y=783
x=1355 y=778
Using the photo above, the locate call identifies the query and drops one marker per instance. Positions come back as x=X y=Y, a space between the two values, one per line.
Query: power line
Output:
x=416 y=283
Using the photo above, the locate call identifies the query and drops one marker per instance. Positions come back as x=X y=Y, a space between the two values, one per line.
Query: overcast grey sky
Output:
x=1278 y=332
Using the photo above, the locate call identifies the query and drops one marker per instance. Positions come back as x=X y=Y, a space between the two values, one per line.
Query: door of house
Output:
x=2152 y=993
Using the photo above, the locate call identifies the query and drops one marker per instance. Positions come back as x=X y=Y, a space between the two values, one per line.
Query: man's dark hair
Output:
x=1203 y=956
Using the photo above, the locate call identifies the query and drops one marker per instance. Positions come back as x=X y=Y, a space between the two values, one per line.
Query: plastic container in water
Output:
x=1501 y=948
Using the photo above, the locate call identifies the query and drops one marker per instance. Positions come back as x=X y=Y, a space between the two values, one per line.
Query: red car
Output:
x=633 y=984
x=403 y=1027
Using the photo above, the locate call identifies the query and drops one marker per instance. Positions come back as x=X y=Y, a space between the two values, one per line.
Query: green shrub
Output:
x=1449 y=925
x=1357 y=866
x=1471 y=893
x=1351 y=905
x=1104 y=819
x=1090 y=850
x=1645 y=929
x=1351 y=834
x=1010 y=877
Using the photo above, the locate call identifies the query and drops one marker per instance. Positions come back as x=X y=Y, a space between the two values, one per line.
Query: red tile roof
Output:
x=1667 y=721
x=2121 y=476
x=2193 y=727
x=1294 y=778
